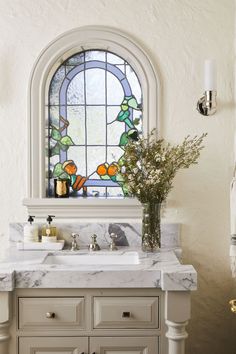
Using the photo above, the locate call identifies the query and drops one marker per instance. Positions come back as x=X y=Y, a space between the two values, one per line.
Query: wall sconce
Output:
x=207 y=103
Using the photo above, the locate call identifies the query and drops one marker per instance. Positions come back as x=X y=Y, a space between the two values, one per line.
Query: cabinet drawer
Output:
x=54 y=313
x=53 y=345
x=126 y=312
x=124 y=345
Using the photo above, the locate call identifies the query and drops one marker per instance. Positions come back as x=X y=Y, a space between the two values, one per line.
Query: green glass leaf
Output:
x=63 y=147
x=123 y=115
x=119 y=178
x=64 y=175
x=113 y=178
x=124 y=107
x=55 y=150
x=66 y=140
x=132 y=103
x=125 y=189
x=55 y=134
x=105 y=177
x=123 y=139
x=136 y=121
x=129 y=123
x=58 y=170
x=121 y=161
x=133 y=134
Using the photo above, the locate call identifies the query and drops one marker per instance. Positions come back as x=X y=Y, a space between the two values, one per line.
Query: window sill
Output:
x=104 y=209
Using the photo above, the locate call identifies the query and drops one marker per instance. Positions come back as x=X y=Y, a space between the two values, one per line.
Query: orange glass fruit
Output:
x=102 y=169
x=71 y=169
x=112 y=169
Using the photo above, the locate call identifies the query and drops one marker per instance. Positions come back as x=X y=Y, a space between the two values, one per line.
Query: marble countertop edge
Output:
x=156 y=270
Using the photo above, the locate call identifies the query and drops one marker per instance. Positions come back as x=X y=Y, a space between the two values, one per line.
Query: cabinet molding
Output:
x=53 y=345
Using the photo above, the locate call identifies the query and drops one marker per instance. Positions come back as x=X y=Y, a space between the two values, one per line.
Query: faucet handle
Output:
x=94 y=237
x=94 y=246
x=74 y=245
x=113 y=236
x=74 y=235
x=112 y=245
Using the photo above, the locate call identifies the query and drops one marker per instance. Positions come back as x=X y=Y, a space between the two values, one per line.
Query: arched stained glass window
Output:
x=95 y=106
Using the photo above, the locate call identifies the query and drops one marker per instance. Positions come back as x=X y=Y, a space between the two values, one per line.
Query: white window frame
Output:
x=64 y=46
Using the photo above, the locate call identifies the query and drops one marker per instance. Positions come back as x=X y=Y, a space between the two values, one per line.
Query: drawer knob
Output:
x=50 y=315
x=126 y=314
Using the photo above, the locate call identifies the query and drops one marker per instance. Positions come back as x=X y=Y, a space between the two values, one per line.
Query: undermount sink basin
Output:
x=127 y=258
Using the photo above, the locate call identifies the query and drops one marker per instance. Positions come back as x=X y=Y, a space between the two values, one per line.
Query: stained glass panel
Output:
x=115 y=93
x=95 y=86
x=76 y=128
x=95 y=107
x=96 y=125
x=75 y=91
x=55 y=85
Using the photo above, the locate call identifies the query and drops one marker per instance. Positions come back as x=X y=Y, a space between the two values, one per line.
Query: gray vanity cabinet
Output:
x=93 y=321
x=76 y=321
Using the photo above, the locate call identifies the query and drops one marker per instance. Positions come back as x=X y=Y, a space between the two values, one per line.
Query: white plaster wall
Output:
x=178 y=35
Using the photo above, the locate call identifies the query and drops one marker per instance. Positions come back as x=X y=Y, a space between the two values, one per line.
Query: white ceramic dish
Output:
x=41 y=246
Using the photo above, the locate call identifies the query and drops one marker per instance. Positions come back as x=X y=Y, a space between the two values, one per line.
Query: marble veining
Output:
x=155 y=270
x=128 y=234
x=26 y=269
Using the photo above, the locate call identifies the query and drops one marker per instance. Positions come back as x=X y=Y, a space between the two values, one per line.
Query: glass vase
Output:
x=151 y=227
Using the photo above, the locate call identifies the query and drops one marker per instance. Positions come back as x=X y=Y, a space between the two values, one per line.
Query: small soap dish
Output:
x=41 y=246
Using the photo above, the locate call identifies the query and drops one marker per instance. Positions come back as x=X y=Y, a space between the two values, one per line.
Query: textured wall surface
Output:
x=178 y=35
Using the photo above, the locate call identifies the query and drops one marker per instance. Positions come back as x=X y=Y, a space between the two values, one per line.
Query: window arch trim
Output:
x=64 y=46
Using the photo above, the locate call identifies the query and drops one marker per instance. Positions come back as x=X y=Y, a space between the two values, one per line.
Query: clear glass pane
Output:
x=95 y=157
x=95 y=86
x=115 y=93
x=112 y=113
x=114 y=132
x=114 y=59
x=75 y=59
x=75 y=91
x=98 y=192
x=53 y=161
x=113 y=154
x=96 y=125
x=78 y=155
x=134 y=83
x=54 y=116
x=76 y=128
x=121 y=67
x=56 y=85
x=114 y=192
x=69 y=68
x=95 y=55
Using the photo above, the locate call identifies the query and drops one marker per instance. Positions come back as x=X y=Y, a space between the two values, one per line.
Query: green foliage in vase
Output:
x=150 y=165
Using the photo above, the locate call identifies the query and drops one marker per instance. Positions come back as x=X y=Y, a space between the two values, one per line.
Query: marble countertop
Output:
x=25 y=269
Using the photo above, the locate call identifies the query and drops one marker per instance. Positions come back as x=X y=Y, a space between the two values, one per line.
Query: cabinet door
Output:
x=124 y=345
x=53 y=345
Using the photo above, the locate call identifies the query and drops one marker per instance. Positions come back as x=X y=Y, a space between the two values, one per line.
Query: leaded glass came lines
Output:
x=95 y=106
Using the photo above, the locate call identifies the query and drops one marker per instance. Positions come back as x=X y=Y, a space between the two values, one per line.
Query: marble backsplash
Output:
x=128 y=234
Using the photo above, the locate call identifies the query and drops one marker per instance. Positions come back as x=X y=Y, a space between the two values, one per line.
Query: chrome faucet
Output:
x=94 y=246
x=112 y=245
x=74 y=245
